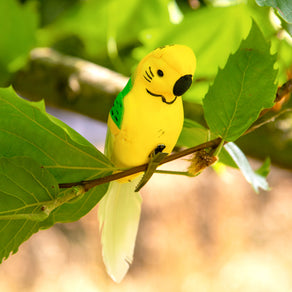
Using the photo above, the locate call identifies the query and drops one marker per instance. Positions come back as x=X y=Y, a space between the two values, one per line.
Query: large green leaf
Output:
x=27 y=130
x=18 y=24
x=283 y=6
x=24 y=188
x=242 y=89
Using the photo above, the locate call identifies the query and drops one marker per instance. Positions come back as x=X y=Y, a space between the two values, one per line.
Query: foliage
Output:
x=38 y=152
x=235 y=96
x=50 y=153
x=18 y=27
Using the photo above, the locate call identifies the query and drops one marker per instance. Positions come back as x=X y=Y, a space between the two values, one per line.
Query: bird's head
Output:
x=167 y=72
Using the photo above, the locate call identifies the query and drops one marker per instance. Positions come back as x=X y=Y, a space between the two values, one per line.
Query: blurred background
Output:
x=208 y=233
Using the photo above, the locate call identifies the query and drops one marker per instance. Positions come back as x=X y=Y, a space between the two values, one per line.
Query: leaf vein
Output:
x=238 y=98
x=52 y=133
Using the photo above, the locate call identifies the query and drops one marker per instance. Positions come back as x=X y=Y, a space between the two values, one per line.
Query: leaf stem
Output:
x=45 y=208
x=271 y=119
x=184 y=173
x=218 y=149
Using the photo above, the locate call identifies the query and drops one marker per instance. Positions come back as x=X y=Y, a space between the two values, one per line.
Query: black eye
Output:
x=160 y=73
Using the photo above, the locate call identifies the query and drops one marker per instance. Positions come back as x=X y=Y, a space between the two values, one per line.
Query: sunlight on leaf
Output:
x=24 y=187
x=242 y=89
x=34 y=133
x=18 y=25
x=27 y=130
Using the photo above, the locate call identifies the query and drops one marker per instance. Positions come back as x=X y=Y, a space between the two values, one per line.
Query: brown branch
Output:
x=282 y=95
x=69 y=82
x=95 y=182
x=284 y=90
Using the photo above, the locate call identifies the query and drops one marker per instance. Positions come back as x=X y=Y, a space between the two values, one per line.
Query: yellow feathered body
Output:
x=145 y=126
x=153 y=113
x=148 y=113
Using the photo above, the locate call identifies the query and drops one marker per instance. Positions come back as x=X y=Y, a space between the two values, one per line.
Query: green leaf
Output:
x=242 y=89
x=18 y=24
x=30 y=200
x=27 y=130
x=283 y=6
x=193 y=134
x=264 y=170
x=256 y=179
x=25 y=187
x=77 y=208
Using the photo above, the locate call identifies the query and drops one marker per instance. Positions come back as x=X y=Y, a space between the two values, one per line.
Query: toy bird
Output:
x=146 y=118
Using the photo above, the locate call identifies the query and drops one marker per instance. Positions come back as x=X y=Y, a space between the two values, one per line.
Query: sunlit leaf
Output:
x=24 y=187
x=242 y=89
x=27 y=130
x=18 y=25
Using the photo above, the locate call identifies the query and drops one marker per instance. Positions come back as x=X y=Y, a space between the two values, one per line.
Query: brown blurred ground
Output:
x=209 y=233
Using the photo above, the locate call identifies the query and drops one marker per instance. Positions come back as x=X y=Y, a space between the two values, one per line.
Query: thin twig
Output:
x=102 y=180
x=285 y=89
x=272 y=119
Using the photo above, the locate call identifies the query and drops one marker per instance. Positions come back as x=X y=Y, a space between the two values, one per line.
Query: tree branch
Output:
x=95 y=182
x=69 y=82
x=284 y=90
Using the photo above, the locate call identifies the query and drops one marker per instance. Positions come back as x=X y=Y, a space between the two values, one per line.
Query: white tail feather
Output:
x=119 y=215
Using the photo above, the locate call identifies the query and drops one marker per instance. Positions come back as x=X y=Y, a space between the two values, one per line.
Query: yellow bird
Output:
x=146 y=118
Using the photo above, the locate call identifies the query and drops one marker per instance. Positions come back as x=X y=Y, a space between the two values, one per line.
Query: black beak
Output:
x=182 y=85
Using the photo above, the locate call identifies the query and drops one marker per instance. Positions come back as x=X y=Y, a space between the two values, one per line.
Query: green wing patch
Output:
x=117 y=110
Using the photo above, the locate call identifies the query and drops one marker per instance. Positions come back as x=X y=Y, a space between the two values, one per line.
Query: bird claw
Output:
x=156 y=156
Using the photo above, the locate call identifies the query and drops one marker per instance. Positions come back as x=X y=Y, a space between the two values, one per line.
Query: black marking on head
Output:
x=160 y=73
x=151 y=72
x=182 y=84
x=149 y=75
x=147 y=79
x=162 y=97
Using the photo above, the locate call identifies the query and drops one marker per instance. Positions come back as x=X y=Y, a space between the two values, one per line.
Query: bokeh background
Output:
x=208 y=233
